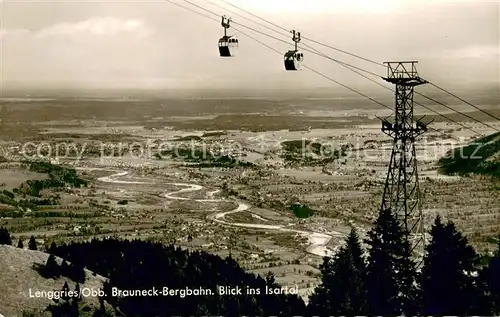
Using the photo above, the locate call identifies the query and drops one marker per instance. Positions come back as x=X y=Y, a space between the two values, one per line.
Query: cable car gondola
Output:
x=294 y=58
x=228 y=45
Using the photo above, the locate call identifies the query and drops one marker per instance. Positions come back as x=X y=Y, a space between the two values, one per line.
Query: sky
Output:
x=155 y=44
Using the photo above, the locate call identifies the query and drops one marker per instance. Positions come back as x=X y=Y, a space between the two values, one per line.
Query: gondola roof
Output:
x=292 y=53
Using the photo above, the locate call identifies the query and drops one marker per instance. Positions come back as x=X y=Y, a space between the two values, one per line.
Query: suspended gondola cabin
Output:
x=294 y=58
x=228 y=45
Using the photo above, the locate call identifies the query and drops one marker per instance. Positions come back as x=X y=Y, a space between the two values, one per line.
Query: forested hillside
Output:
x=481 y=156
x=381 y=280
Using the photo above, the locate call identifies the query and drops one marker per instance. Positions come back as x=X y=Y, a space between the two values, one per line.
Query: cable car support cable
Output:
x=314 y=51
x=423 y=106
x=246 y=18
x=278 y=39
x=366 y=96
x=465 y=101
x=340 y=62
x=459 y=112
x=357 y=56
x=305 y=38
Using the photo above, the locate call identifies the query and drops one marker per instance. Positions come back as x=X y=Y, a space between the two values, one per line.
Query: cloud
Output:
x=98 y=26
x=4 y=33
x=98 y=48
x=472 y=52
x=109 y=41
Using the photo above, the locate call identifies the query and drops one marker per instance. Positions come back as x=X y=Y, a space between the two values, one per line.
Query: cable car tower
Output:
x=402 y=192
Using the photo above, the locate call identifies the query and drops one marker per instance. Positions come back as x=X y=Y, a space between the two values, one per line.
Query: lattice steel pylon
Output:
x=402 y=192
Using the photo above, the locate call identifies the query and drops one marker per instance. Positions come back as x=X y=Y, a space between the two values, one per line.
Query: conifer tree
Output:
x=270 y=279
x=76 y=273
x=5 y=237
x=20 y=244
x=32 y=244
x=52 y=249
x=447 y=283
x=489 y=281
x=73 y=309
x=493 y=280
x=101 y=311
x=342 y=291
x=64 y=269
x=78 y=291
x=52 y=269
x=66 y=307
x=65 y=295
x=391 y=273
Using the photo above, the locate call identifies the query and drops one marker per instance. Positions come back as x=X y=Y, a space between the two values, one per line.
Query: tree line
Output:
x=141 y=265
x=450 y=281
x=6 y=239
x=58 y=176
x=382 y=279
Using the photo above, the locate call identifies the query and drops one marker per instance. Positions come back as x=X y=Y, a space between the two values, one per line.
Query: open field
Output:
x=222 y=175
x=17 y=275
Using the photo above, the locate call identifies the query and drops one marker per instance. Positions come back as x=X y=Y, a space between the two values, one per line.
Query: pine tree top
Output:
x=32 y=243
x=5 y=237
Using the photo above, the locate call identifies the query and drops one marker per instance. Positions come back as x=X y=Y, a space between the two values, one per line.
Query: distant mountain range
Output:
x=27 y=91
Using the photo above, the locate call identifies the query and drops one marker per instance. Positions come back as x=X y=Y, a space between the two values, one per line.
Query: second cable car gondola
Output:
x=228 y=45
x=294 y=58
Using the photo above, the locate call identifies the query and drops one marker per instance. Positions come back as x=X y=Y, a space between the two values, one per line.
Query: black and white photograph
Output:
x=249 y=158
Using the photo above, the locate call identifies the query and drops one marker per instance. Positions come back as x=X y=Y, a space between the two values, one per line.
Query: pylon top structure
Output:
x=403 y=73
x=401 y=192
